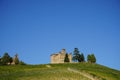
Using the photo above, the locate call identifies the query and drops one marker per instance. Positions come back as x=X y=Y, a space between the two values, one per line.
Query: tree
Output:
x=5 y=59
x=76 y=55
x=10 y=60
x=79 y=58
x=82 y=57
x=91 y=58
x=66 y=58
x=16 y=60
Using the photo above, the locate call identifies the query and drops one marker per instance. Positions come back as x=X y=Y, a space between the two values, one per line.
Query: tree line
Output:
x=79 y=57
x=6 y=59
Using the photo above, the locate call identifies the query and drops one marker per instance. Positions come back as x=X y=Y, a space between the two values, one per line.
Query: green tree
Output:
x=16 y=59
x=5 y=59
x=66 y=58
x=82 y=57
x=10 y=60
x=79 y=58
x=76 y=55
x=91 y=58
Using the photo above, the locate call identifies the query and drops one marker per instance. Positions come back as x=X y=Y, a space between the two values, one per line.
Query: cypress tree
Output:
x=66 y=58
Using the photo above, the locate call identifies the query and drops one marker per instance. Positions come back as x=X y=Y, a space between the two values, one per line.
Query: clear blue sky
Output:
x=37 y=28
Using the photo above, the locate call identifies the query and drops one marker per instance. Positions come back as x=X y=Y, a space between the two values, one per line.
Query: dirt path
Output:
x=83 y=74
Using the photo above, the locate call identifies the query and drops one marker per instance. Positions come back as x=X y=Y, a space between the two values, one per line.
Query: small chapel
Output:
x=60 y=56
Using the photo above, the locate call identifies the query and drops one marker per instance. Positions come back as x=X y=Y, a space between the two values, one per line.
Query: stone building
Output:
x=16 y=56
x=13 y=60
x=60 y=56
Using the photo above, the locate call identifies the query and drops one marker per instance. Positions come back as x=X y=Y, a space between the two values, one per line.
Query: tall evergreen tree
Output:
x=66 y=58
x=79 y=58
x=76 y=55
x=82 y=57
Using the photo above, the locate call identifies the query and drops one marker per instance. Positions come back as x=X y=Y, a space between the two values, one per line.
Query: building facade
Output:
x=60 y=56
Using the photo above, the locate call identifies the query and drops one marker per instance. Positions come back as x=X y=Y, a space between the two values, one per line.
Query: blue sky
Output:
x=37 y=28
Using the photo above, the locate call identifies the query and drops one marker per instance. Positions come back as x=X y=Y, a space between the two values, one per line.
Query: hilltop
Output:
x=66 y=71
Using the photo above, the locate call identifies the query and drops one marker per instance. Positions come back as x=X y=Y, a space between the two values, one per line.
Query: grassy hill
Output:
x=74 y=71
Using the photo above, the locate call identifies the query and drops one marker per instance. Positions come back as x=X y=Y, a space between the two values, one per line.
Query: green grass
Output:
x=57 y=72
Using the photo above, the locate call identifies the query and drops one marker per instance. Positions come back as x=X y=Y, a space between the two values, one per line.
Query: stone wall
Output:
x=59 y=57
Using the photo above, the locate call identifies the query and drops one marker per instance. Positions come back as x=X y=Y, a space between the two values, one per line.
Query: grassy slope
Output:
x=57 y=72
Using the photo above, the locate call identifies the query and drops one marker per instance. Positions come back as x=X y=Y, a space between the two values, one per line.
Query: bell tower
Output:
x=63 y=51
